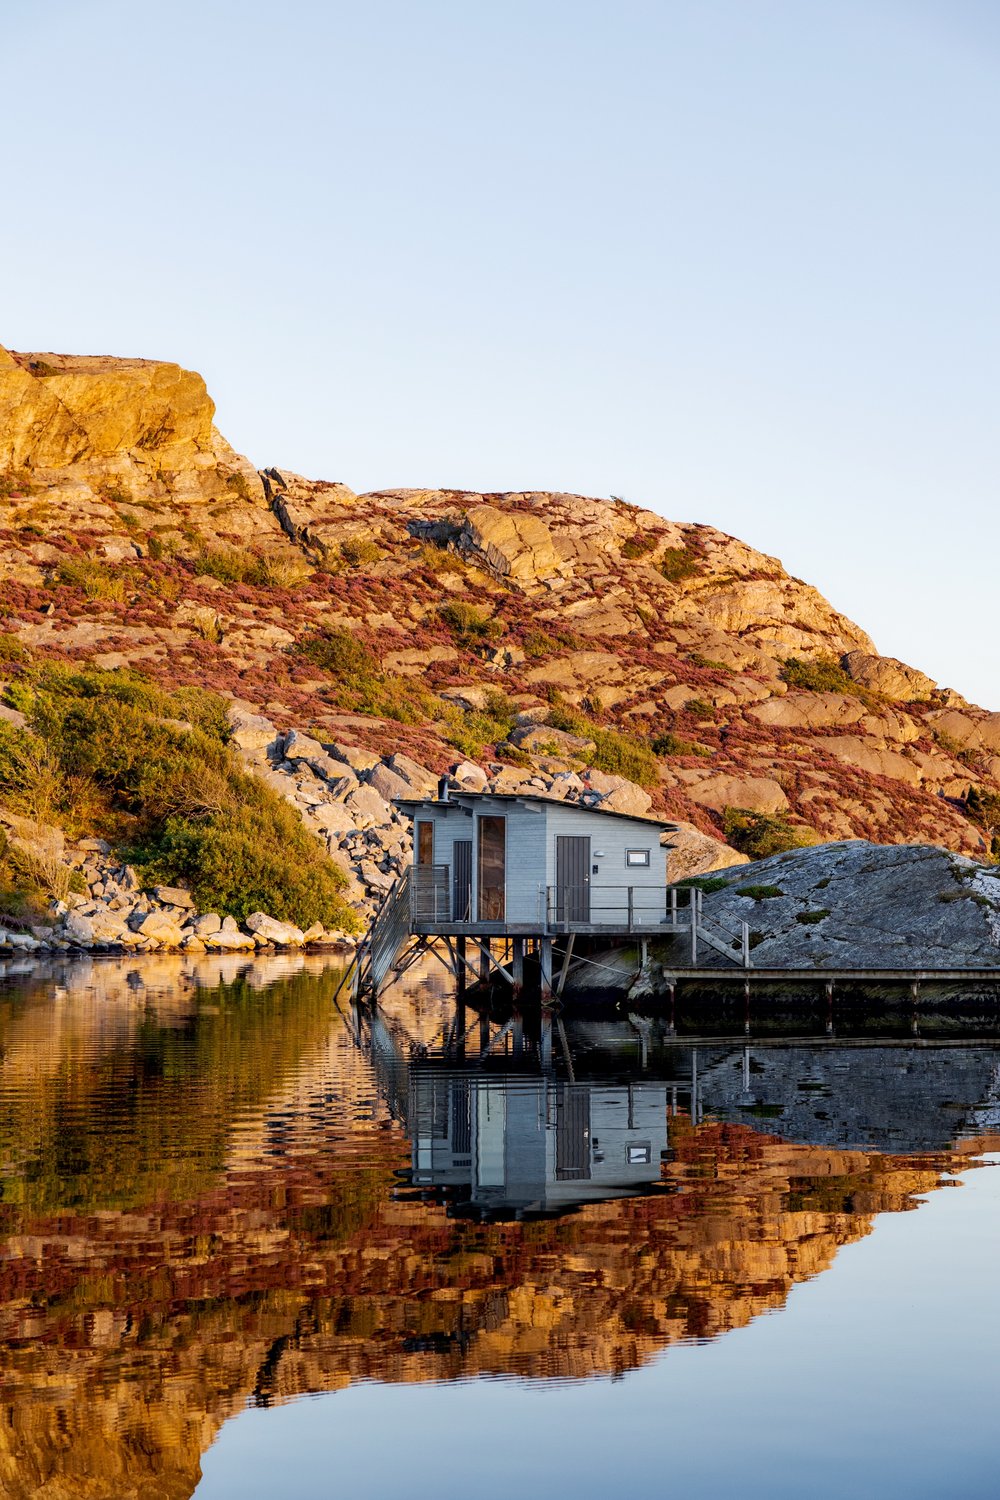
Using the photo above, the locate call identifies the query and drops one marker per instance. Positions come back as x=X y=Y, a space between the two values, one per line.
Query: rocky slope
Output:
x=581 y=646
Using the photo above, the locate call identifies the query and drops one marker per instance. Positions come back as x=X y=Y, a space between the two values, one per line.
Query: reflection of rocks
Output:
x=226 y=1218
x=886 y=1097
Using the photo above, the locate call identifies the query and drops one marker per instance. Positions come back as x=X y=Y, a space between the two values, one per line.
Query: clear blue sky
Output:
x=735 y=260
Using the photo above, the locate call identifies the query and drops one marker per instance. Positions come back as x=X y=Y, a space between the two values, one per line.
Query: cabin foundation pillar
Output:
x=545 y=959
x=460 y=964
x=517 y=966
x=484 y=962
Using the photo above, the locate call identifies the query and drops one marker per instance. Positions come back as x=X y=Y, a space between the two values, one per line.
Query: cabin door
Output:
x=461 y=910
x=572 y=879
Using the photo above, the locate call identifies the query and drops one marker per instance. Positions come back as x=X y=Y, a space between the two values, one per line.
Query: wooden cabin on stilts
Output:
x=499 y=879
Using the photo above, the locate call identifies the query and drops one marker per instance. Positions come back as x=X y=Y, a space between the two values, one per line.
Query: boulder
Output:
x=368 y=809
x=358 y=760
x=755 y=793
x=540 y=739
x=173 y=895
x=282 y=934
x=161 y=928
x=804 y=710
x=389 y=784
x=208 y=923
x=423 y=782
x=695 y=853
x=470 y=777
x=886 y=675
x=298 y=746
x=513 y=543
x=618 y=794
x=250 y=731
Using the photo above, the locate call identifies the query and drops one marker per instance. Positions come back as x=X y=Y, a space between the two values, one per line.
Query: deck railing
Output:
x=430 y=893
x=625 y=908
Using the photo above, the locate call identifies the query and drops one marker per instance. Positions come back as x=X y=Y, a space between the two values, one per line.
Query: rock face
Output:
x=133 y=536
x=860 y=905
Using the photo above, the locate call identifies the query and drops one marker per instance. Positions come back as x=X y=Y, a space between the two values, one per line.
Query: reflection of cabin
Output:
x=513 y=1146
x=505 y=864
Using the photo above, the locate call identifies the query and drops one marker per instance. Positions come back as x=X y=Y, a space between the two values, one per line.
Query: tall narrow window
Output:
x=492 y=868
x=425 y=843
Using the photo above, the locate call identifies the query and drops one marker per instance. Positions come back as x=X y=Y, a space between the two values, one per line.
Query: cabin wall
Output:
x=609 y=840
x=526 y=861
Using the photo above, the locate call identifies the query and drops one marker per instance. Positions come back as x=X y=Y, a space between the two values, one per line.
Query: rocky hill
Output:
x=580 y=646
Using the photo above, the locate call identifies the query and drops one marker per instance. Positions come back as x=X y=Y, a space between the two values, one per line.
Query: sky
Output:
x=733 y=260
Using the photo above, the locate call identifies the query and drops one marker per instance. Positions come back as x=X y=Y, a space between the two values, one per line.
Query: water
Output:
x=254 y=1247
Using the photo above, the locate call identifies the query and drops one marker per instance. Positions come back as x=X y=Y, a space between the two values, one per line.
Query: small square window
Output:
x=639 y=1153
x=637 y=857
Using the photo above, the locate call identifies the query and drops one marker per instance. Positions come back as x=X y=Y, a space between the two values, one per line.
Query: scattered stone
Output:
x=172 y=895
x=282 y=934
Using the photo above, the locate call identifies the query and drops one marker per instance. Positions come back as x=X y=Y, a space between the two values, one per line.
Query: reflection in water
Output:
x=216 y=1190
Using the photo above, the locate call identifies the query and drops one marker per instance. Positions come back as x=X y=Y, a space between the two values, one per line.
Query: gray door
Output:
x=572 y=879
x=461 y=910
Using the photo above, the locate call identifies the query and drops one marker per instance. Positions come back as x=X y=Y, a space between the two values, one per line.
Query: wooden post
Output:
x=517 y=967
x=673 y=906
x=545 y=955
x=484 y=962
x=460 y=962
x=694 y=927
x=745 y=936
x=631 y=907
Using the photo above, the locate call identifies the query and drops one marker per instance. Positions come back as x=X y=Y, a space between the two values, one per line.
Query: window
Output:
x=425 y=843
x=492 y=868
x=639 y=1153
x=637 y=857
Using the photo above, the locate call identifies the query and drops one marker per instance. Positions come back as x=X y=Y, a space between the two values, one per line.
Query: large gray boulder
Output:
x=856 y=905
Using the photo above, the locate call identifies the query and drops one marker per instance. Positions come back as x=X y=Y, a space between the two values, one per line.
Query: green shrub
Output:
x=624 y=755
x=178 y=797
x=98 y=580
x=760 y=835
x=469 y=624
x=615 y=753
x=471 y=730
x=362 y=686
x=983 y=807
x=821 y=674
x=759 y=892
x=673 y=744
x=699 y=709
x=639 y=545
x=678 y=563
x=359 y=552
x=240 y=565
x=15 y=485
x=340 y=652
x=809 y=918
x=706 y=883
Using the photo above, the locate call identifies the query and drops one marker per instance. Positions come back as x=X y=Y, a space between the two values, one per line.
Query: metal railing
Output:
x=430 y=893
x=625 y=908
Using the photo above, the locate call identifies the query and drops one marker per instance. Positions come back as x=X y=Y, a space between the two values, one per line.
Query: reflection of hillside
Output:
x=232 y=1214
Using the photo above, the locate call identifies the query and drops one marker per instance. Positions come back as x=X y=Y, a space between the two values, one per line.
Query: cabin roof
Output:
x=463 y=798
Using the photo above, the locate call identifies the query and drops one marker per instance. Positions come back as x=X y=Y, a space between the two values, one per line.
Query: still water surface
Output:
x=694 y=1265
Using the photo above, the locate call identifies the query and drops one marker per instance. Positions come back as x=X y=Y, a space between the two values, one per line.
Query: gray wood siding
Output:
x=526 y=861
x=609 y=839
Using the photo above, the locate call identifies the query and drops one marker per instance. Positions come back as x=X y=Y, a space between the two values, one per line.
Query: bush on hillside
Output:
x=760 y=835
x=360 y=684
x=821 y=674
x=153 y=769
x=468 y=624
